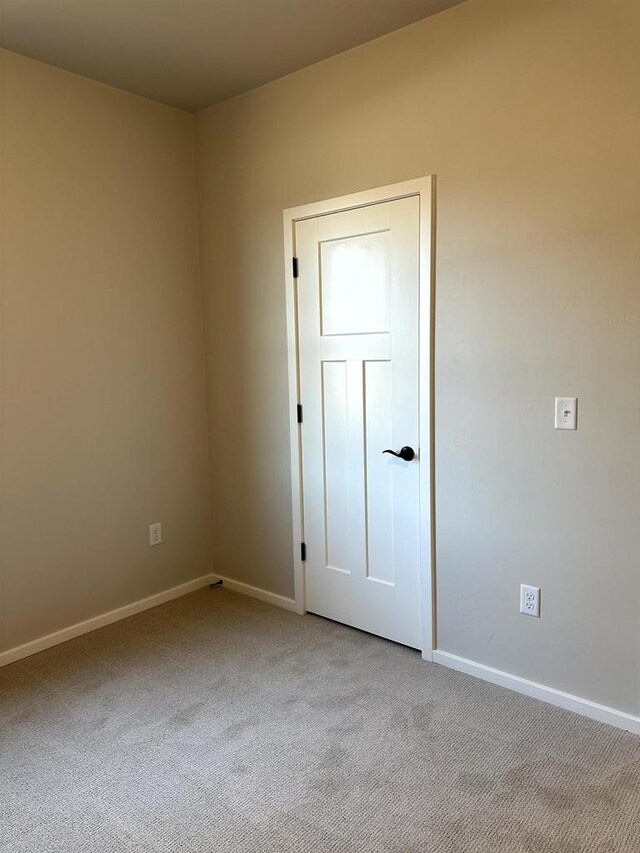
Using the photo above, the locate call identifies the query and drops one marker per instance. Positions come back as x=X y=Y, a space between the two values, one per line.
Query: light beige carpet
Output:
x=216 y=723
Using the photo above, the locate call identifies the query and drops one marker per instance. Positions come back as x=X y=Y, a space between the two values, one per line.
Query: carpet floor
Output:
x=218 y=724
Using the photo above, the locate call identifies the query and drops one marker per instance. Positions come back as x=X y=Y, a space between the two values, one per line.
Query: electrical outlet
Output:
x=155 y=534
x=530 y=600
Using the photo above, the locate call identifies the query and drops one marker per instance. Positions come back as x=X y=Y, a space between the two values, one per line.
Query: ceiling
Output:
x=193 y=53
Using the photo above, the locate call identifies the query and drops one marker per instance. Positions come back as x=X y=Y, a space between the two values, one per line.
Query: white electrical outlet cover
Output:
x=530 y=600
x=155 y=534
x=566 y=413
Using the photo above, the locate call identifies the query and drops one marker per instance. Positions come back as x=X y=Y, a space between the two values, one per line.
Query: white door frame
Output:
x=424 y=189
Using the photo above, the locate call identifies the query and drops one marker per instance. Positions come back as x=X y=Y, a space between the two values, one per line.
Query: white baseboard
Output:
x=100 y=621
x=619 y=719
x=42 y=643
x=256 y=592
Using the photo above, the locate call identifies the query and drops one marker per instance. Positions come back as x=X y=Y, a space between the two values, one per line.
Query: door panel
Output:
x=358 y=327
x=354 y=284
x=379 y=479
x=336 y=465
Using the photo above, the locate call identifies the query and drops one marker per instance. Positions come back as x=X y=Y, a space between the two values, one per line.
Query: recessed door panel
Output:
x=379 y=471
x=336 y=464
x=354 y=285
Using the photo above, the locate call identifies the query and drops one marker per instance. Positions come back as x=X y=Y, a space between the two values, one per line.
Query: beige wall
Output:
x=103 y=413
x=528 y=114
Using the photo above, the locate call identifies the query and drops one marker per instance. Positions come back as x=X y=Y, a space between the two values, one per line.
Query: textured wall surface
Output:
x=528 y=115
x=103 y=425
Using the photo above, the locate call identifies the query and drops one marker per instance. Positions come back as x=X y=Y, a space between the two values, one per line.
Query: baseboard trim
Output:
x=80 y=628
x=73 y=631
x=593 y=710
x=619 y=719
x=260 y=594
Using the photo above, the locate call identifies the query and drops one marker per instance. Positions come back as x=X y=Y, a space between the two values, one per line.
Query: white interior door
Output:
x=358 y=347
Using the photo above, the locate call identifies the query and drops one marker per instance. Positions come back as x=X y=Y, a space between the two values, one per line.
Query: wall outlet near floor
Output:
x=529 y=600
x=155 y=534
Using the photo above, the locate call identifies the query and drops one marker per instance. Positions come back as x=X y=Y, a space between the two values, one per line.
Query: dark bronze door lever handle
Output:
x=406 y=453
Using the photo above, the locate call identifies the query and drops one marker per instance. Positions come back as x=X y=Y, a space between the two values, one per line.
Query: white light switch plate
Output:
x=566 y=412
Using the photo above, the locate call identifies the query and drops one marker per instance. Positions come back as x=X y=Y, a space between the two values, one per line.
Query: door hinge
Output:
x=303 y=552
x=299 y=413
x=295 y=267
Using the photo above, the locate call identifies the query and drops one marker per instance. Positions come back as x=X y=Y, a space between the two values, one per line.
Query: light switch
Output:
x=566 y=412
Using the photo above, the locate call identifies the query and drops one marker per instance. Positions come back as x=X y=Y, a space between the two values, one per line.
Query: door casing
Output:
x=424 y=189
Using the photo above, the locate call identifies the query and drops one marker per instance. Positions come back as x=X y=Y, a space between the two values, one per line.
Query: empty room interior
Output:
x=319 y=426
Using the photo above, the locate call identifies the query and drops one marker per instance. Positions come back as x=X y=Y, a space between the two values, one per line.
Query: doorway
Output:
x=359 y=299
